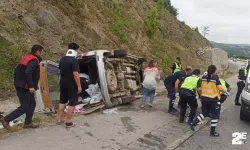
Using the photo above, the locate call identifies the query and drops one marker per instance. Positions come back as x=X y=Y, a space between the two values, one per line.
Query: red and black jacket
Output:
x=27 y=72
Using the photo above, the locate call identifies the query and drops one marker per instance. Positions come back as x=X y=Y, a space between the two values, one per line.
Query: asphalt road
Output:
x=228 y=124
x=132 y=128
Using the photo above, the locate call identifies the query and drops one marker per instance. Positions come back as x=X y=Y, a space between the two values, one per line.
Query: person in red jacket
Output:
x=26 y=78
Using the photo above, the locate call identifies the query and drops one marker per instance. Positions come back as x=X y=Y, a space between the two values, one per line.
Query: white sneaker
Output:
x=150 y=105
x=142 y=106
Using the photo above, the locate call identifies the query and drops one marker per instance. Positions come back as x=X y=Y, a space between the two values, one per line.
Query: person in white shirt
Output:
x=151 y=75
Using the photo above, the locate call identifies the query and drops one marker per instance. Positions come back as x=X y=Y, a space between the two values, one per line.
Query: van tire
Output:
x=242 y=115
x=141 y=60
x=111 y=80
x=120 y=53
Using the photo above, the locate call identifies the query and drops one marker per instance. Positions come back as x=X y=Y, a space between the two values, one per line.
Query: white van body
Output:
x=119 y=76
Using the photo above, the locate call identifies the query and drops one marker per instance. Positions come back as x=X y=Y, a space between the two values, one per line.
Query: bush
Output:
x=9 y=58
x=152 y=22
x=119 y=24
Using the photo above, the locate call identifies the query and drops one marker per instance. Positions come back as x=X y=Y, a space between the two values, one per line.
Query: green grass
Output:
x=9 y=58
x=118 y=22
x=40 y=119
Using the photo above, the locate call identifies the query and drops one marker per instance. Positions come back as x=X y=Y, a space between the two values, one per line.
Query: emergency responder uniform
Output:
x=176 y=67
x=210 y=96
x=240 y=84
x=188 y=96
x=223 y=97
x=169 y=83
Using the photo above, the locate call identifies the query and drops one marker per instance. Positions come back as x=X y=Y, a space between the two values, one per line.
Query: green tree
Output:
x=171 y=8
x=152 y=22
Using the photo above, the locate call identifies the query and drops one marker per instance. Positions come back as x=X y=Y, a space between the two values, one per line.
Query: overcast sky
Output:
x=229 y=20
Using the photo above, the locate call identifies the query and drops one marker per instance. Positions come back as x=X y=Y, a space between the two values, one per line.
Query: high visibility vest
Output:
x=177 y=68
x=190 y=83
x=223 y=84
x=245 y=71
x=209 y=89
x=242 y=74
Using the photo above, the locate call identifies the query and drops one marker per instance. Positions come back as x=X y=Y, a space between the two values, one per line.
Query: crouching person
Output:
x=209 y=88
x=188 y=96
x=224 y=96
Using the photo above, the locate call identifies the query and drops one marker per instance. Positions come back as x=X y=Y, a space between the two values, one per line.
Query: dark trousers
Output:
x=190 y=99
x=222 y=100
x=208 y=107
x=28 y=104
x=241 y=85
x=171 y=95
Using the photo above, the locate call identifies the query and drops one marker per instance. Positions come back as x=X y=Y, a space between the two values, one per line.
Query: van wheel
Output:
x=111 y=80
x=141 y=60
x=120 y=53
x=242 y=115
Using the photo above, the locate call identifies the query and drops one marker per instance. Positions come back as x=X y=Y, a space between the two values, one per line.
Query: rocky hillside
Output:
x=143 y=27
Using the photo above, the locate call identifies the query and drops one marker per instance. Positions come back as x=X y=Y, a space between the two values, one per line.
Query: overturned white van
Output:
x=118 y=74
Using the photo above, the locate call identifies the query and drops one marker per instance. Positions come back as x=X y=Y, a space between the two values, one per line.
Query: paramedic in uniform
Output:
x=188 y=96
x=241 y=83
x=175 y=67
x=172 y=82
x=26 y=78
x=70 y=85
x=209 y=89
x=223 y=96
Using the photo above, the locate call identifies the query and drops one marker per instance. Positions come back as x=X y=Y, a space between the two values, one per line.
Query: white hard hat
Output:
x=205 y=73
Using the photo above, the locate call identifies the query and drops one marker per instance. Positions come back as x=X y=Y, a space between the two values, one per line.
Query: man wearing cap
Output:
x=26 y=78
x=175 y=67
x=70 y=85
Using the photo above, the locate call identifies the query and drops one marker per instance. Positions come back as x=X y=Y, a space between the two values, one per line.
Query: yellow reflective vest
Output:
x=190 y=83
x=177 y=67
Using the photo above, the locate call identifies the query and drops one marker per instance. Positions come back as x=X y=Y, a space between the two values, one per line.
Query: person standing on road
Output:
x=171 y=82
x=188 y=96
x=241 y=83
x=151 y=75
x=209 y=88
x=176 y=67
x=26 y=78
x=70 y=85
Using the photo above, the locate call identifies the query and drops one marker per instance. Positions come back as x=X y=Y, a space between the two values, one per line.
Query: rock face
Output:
x=94 y=24
x=215 y=56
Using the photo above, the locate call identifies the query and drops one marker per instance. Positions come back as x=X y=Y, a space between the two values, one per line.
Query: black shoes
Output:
x=192 y=126
x=181 y=118
x=238 y=104
x=214 y=134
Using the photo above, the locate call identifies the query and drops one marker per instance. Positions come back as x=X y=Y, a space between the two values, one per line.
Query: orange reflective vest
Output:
x=209 y=89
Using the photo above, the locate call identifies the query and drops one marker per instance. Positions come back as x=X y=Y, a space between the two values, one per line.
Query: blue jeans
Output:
x=145 y=94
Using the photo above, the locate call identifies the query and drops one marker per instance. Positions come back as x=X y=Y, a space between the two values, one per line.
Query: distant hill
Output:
x=239 y=50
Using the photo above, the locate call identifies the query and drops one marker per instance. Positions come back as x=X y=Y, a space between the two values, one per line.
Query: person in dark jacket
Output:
x=172 y=84
x=26 y=78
